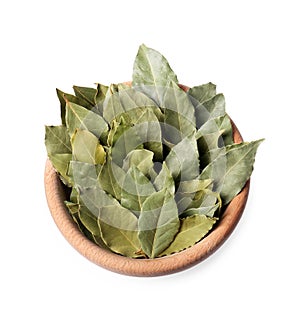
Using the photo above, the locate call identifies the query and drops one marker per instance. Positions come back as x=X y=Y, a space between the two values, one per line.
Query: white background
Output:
x=250 y=49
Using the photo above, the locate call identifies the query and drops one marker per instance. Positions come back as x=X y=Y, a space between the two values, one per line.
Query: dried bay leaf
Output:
x=141 y=158
x=130 y=102
x=64 y=97
x=151 y=71
x=210 y=109
x=181 y=163
x=123 y=138
x=158 y=223
x=78 y=117
x=85 y=174
x=100 y=97
x=117 y=224
x=148 y=127
x=209 y=211
x=59 y=150
x=202 y=93
x=89 y=220
x=231 y=170
x=111 y=178
x=221 y=123
x=192 y=230
x=208 y=146
x=196 y=194
x=86 y=148
x=179 y=114
x=57 y=140
x=85 y=94
x=61 y=164
x=164 y=180
x=136 y=189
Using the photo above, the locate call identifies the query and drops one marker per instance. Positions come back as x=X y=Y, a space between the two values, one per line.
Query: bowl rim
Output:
x=55 y=195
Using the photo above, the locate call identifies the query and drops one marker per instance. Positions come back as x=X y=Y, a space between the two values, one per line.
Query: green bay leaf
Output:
x=192 y=230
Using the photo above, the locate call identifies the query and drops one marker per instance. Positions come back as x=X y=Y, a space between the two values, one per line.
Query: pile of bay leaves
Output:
x=149 y=166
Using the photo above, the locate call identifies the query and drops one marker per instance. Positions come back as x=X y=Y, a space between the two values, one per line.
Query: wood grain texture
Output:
x=55 y=195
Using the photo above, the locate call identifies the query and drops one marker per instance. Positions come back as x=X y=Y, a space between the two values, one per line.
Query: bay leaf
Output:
x=151 y=72
x=181 y=163
x=78 y=117
x=73 y=207
x=179 y=114
x=123 y=138
x=231 y=170
x=141 y=158
x=74 y=212
x=100 y=97
x=57 y=140
x=86 y=94
x=221 y=123
x=212 y=137
x=164 y=180
x=209 y=211
x=117 y=224
x=74 y=197
x=202 y=93
x=158 y=223
x=136 y=189
x=208 y=146
x=194 y=185
x=151 y=68
x=64 y=97
x=89 y=220
x=97 y=239
x=111 y=178
x=195 y=194
x=192 y=230
x=116 y=130
x=128 y=101
x=148 y=127
x=86 y=148
x=85 y=174
x=61 y=161
x=210 y=109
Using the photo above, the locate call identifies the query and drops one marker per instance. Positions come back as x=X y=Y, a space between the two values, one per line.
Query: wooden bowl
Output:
x=56 y=195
